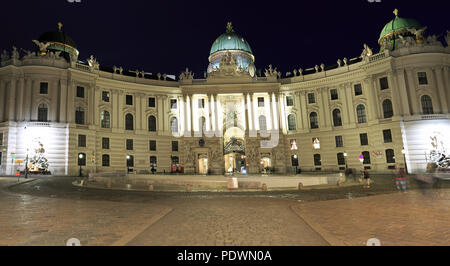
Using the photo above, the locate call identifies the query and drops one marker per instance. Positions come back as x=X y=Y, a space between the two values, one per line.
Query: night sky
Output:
x=168 y=36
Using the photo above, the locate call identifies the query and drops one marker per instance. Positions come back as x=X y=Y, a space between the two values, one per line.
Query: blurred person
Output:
x=366 y=177
x=401 y=179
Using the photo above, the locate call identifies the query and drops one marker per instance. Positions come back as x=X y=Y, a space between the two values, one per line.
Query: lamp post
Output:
x=404 y=159
x=128 y=159
x=296 y=163
x=80 y=156
x=26 y=159
x=345 y=158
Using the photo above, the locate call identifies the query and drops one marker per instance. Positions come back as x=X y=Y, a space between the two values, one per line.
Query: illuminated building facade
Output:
x=387 y=107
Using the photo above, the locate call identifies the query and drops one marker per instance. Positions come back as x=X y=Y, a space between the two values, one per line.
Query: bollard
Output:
x=151 y=188
x=264 y=187
x=300 y=186
x=188 y=188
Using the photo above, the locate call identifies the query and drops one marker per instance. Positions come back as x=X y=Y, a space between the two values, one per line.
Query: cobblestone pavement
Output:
x=49 y=211
x=411 y=219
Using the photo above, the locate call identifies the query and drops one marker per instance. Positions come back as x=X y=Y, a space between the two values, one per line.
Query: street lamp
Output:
x=128 y=159
x=345 y=158
x=404 y=159
x=80 y=156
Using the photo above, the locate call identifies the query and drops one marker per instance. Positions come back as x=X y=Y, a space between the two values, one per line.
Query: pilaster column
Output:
x=439 y=77
x=304 y=110
x=350 y=111
x=298 y=115
x=396 y=104
x=181 y=115
x=271 y=111
x=138 y=111
x=19 y=99
x=70 y=101
x=371 y=101
x=344 y=113
x=2 y=100
x=249 y=111
x=213 y=112
x=53 y=92
x=120 y=113
x=62 y=101
x=412 y=85
x=10 y=104
x=166 y=110
x=320 y=102
x=282 y=113
x=399 y=83
x=160 y=114
x=115 y=109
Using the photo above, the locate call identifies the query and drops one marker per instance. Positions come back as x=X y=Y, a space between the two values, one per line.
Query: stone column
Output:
x=350 y=111
x=54 y=93
x=138 y=111
x=194 y=118
x=413 y=100
x=70 y=102
x=282 y=113
x=344 y=113
x=63 y=101
x=396 y=102
x=19 y=99
x=181 y=115
x=160 y=114
x=10 y=106
x=166 y=110
x=439 y=77
x=275 y=116
x=120 y=113
x=271 y=111
x=304 y=110
x=400 y=86
x=298 y=115
x=249 y=111
x=322 y=111
x=115 y=109
x=91 y=107
x=2 y=100
x=213 y=112
x=371 y=99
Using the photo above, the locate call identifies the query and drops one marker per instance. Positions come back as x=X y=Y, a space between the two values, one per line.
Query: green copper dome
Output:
x=398 y=25
x=230 y=41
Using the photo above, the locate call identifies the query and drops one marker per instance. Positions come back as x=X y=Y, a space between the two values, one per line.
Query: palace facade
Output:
x=377 y=111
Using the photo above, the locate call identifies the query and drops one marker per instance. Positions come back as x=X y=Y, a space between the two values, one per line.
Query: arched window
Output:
x=361 y=113
x=366 y=155
x=387 y=109
x=105 y=160
x=129 y=122
x=152 y=123
x=314 y=120
x=341 y=159
x=105 y=119
x=262 y=123
x=292 y=123
x=130 y=161
x=427 y=105
x=42 y=113
x=79 y=116
x=390 y=156
x=174 y=125
x=337 y=120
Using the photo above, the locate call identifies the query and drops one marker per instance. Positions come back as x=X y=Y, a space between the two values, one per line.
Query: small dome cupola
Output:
x=59 y=41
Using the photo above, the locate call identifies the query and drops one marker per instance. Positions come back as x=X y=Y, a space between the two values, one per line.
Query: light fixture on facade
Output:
x=316 y=143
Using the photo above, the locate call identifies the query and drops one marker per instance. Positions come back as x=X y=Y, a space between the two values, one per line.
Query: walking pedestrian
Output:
x=401 y=179
x=366 y=177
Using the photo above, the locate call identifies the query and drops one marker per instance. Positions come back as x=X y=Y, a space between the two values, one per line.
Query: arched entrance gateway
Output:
x=234 y=151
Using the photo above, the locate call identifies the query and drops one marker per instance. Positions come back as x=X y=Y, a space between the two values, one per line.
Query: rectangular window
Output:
x=387 y=135
x=364 y=139
x=384 y=84
x=44 y=88
x=105 y=143
x=1 y=139
x=173 y=104
x=153 y=161
x=260 y=101
x=129 y=99
x=358 y=90
x=317 y=160
x=201 y=103
x=105 y=96
x=175 y=146
x=339 y=142
x=341 y=159
x=152 y=102
x=81 y=140
x=105 y=160
x=80 y=92
x=311 y=98
x=334 y=94
x=129 y=144
x=152 y=145
x=289 y=101
x=422 y=76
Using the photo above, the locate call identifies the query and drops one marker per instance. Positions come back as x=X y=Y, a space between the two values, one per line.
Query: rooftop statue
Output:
x=42 y=46
x=419 y=33
x=367 y=52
